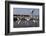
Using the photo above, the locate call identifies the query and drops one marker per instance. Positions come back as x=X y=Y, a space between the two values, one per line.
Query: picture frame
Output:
x=23 y=7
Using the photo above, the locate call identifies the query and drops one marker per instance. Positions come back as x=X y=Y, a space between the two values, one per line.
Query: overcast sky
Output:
x=25 y=11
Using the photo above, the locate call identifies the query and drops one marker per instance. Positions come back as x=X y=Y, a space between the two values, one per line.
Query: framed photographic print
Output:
x=24 y=17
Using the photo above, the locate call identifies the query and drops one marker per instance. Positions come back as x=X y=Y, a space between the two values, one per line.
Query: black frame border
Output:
x=7 y=20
